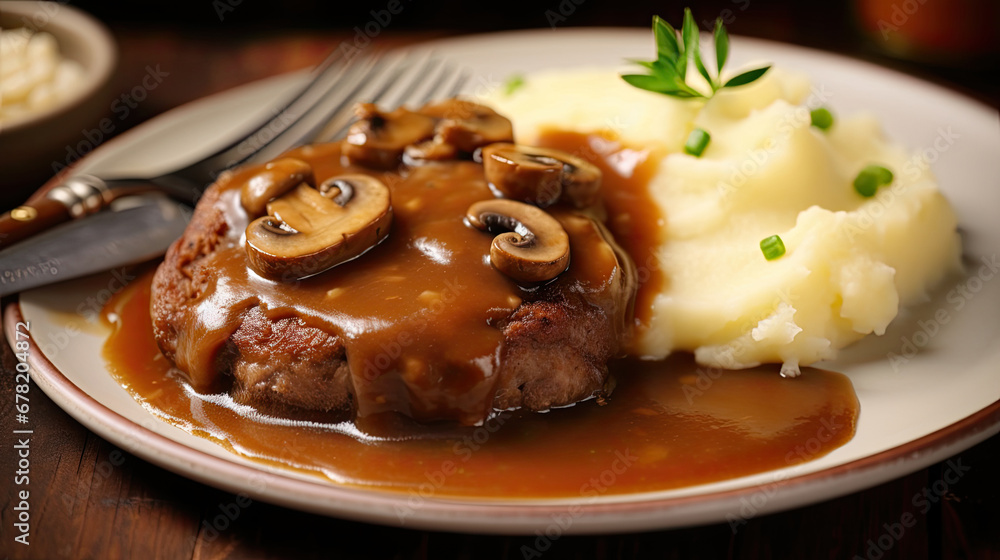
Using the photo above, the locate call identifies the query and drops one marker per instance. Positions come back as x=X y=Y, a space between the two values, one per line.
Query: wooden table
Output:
x=92 y=500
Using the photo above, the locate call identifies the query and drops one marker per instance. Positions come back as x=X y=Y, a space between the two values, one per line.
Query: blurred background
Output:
x=208 y=46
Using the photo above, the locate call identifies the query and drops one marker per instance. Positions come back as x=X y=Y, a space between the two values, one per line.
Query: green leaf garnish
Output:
x=746 y=77
x=689 y=34
x=666 y=39
x=667 y=73
x=721 y=45
x=701 y=68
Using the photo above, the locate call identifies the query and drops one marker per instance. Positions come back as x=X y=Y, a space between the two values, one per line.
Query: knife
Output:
x=133 y=229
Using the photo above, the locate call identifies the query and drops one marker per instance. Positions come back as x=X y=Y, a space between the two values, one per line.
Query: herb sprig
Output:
x=667 y=73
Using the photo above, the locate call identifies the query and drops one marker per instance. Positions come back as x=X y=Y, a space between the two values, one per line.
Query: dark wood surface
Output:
x=90 y=499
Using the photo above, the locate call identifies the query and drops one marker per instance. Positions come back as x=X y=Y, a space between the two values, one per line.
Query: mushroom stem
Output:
x=275 y=179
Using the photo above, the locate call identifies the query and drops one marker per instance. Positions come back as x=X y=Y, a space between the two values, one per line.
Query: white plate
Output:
x=943 y=400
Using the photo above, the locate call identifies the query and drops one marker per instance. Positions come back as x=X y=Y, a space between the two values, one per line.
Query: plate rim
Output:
x=466 y=515
x=472 y=516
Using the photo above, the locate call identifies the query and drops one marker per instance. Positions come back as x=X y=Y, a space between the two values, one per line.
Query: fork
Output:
x=320 y=110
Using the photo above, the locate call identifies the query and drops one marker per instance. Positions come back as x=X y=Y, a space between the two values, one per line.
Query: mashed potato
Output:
x=33 y=75
x=851 y=261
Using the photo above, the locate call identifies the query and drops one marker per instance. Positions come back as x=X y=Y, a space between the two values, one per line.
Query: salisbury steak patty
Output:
x=420 y=324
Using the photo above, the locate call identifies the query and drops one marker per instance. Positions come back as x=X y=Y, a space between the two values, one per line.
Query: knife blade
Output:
x=134 y=229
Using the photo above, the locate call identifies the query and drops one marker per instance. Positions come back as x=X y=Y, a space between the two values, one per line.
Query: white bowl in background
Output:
x=31 y=144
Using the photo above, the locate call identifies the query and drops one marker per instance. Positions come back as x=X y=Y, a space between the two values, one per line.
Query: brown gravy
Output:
x=634 y=219
x=415 y=312
x=669 y=424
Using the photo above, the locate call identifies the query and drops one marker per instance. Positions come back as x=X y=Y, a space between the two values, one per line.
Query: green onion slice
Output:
x=697 y=142
x=870 y=179
x=513 y=83
x=822 y=118
x=772 y=247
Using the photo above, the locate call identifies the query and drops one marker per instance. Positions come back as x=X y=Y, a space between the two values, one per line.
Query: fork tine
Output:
x=329 y=64
x=319 y=83
x=448 y=85
x=315 y=118
x=391 y=93
x=336 y=122
x=383 y=88
x=334 y=89
x=403 y=89
x=328 y=99
x=410 y=90
x=461 y=78
x=322 y=109
x=438 y=70
x=335 y=85
x=332 y=93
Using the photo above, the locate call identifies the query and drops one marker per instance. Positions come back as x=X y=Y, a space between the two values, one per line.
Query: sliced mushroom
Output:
x=540 y=176
x=378 y=139
x=429 y=150
x=467 y=125
x=277 y=178
x=310 y=230
x=530 y=245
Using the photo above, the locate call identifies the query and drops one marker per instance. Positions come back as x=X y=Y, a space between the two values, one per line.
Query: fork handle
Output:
x=77 y=197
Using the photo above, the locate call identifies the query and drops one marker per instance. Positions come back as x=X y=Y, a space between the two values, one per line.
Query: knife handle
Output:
x=25 y=221
x=77 y=197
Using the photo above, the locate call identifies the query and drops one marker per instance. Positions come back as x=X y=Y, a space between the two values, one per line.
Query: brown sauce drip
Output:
x=633 y=218
x=668 y=425
x=418 y=313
